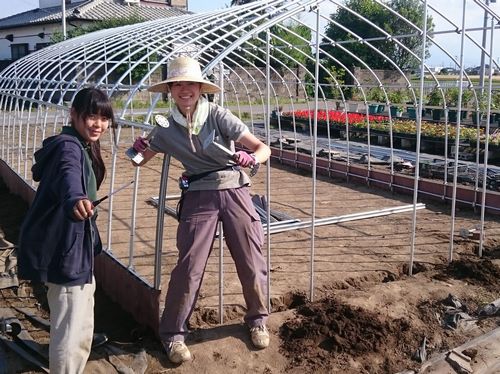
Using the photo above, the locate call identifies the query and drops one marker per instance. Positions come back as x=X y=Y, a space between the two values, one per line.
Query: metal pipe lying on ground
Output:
x=345 y=218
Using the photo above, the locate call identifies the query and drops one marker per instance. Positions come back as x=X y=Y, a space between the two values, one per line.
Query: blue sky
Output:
x=451 y=9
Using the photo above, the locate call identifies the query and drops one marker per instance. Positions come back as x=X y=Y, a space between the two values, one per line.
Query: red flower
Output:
x=336 y=117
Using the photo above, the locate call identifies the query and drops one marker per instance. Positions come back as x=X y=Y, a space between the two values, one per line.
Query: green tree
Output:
x=412 y=10
x=291 y=44
x=346 y=26
x=291 y=47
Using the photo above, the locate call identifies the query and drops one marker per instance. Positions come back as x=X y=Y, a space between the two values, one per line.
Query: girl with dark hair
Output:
x=59 y=236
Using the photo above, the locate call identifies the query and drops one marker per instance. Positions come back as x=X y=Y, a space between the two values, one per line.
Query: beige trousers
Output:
x=71 y=327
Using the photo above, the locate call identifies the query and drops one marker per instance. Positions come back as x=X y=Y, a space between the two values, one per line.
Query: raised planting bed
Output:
x=433 y=134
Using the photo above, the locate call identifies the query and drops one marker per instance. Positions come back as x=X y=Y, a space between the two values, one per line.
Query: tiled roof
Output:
x=90 y=10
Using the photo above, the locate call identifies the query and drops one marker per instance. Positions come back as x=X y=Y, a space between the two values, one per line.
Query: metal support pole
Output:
x=483 y=44
x=268 y=168
x=221 y=84
x=457 y=136
x=63 y=18
x=314 y=157
x=417 y=156
x=221 y=273
x=221 y=234
x=133 y=221
x=486 y=143
x=114 y=156
x=160 y=218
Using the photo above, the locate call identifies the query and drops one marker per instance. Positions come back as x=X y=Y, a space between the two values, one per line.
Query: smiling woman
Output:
x=214 y=187
x=185 y=94
x=59 y=236
x=91 y=126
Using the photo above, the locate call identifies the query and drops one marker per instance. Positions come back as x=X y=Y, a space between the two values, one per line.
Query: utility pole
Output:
x=63 y=17
x=483 y=44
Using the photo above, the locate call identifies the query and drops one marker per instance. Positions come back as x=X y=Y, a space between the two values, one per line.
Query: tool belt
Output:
x=185 y=181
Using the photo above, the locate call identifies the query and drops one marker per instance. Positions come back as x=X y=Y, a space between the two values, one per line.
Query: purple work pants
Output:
x=243 y=233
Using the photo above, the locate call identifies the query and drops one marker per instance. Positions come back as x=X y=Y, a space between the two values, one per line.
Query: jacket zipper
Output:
x=91 y=228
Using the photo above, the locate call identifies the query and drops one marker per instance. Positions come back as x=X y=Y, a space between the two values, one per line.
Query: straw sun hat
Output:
x=184 y=69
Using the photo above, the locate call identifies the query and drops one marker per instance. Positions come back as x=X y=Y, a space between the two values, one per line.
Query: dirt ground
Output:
x=373 y=322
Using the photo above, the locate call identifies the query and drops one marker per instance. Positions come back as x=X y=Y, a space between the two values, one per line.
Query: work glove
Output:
x=140 y=144
x=244 y=159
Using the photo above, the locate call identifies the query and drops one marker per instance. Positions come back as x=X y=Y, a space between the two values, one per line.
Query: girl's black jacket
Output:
x=53 y=246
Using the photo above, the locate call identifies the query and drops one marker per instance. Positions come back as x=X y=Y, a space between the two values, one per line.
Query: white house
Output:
x=29 y=31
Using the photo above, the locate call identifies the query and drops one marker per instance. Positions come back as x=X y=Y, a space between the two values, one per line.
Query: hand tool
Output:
x=97 y=202
x=210 y=140
x=136 y=156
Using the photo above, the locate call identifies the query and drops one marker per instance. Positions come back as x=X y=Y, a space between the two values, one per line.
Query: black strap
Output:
x=195 y=177
x=178 y=208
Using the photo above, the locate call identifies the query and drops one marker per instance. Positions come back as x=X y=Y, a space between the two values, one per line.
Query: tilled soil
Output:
x=331 y=336
x=373 y=323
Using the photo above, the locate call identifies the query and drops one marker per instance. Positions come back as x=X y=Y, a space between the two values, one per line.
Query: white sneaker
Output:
x=177 y=352
x=259 y=336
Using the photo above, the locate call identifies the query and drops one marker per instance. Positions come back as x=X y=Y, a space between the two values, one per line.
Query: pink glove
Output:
x=141 y=144
x=244 y=159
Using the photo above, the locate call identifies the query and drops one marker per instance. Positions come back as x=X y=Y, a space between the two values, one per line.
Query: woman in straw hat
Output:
x=214 y=188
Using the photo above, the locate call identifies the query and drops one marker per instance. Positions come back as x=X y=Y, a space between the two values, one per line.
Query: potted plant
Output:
x=467 y=96
x=397 y=98
x=412 y=103
x=482 y=107
x=452 y=96
x=435 y=98
x=377 y=95
x=353 y=105
x=495 y=104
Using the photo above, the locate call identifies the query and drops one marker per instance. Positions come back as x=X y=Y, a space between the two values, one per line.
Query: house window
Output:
x=39 y=46
x=19 y=50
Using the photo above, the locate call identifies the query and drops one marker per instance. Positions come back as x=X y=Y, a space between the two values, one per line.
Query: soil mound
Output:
x=479 y=272
x=329 y=336
x=328 y=332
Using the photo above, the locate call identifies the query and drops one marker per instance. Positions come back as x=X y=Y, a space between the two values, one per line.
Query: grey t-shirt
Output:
x=174 y=140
